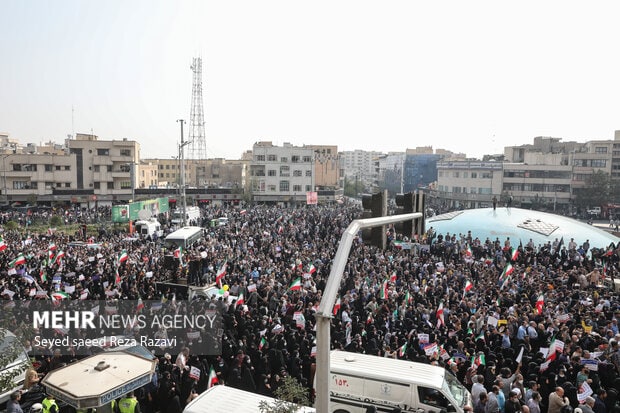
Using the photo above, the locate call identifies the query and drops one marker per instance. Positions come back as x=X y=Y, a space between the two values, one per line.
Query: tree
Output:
x=596 y=191
x=290 y=397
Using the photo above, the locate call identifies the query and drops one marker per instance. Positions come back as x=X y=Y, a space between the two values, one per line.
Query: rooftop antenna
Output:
x=197 y=149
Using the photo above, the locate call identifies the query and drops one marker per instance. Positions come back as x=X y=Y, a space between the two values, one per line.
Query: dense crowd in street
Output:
x=517 y=324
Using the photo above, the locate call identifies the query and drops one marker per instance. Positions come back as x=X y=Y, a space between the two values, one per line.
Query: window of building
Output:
x=474 y=175
x=48 y=167
x=600 y=149
x=295 y=158
x=110 y=185
x=309 y=172
x=456 y=189
x=67 y=168
x=272 y=158
x=285 y=171
x=125 y=184
x=455 y=174
x=167 y=166
x=258 y=185
x=103 y=152
x=599 y=163
x=484 y=191
x=271 y=188
x=58 y=184
x=30 y=168
x=67 y=184
x=284 y=159
x=439 y=174
x=307 y=159
x=284 y=186
x=97 y=185
x=109 y=168
x=34 y=185
x=58 y=168
x=297 y=172
x=486 y=175
x=271 y=172
x=125 y=152
x=308 y=188
x=260 y=158
x=465 y=174
x=20 y=185
x=49 y=185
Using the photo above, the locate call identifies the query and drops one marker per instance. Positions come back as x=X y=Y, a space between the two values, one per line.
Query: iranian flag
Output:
x=439 y=314
x=50 y=255
x=52 y=247
x=178 y=253
x=221 y=273
x=19 y=260
x=408 y=298
x=468 y=251
x=337 y=306
x=402 y=350
x=393 y=277
x=2 y=244
x=515 y=254
x=369 y=320
x=122 y=257
x=505 y=276
x=59 y=295
x=262 y=343
x=59 y=256
x=478 y=360
x=468 y=286
x=117 y=278
x=212 y=378
x=552 y=350
x=296 y=284
x=312 y=269
x=383 y=293
x=240 y=300
x=140 y=305
x=540 y=302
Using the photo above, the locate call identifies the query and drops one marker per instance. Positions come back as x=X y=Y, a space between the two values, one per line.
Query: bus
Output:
x=184 y=237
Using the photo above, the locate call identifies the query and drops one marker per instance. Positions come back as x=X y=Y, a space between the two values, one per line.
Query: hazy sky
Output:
x=468 y=76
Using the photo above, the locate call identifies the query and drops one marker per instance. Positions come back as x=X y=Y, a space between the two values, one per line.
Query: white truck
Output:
x=192 y=216
x=361 y=381
x=148 y=228
x=226 y=399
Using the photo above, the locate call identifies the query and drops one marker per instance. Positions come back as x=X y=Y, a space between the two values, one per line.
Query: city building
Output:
x=361 y=167
x=466 y=184
x=326 y=167
x=281 y=173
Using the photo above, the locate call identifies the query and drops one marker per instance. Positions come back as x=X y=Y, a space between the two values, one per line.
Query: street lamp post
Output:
x=182 y=158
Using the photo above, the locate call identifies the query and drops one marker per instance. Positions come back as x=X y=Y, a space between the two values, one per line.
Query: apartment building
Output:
x=467 y=183
x=361 y=166
x=326 y=166
x=281 y=173
x=108 y=168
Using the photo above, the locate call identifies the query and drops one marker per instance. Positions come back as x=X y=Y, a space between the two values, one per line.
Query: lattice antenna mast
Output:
x=198 y=147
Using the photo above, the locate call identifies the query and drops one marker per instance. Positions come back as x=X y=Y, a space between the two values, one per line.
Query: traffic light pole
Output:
x=324 y=314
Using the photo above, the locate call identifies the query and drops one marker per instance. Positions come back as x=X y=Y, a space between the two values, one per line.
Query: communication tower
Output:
x=198 y=146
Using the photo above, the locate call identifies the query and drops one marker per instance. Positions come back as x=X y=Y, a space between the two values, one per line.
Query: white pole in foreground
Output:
x=324 y=314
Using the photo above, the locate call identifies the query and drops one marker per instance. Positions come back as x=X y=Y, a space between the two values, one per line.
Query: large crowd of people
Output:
x=523 y=327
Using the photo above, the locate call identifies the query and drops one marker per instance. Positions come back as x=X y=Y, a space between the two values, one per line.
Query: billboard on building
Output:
x=124 y=213
x=312 y=198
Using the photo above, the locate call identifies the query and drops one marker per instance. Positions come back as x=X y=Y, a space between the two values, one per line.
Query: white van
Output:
x=192 y=213
x=224 y=399
x=359 y=381
x=16 y=368
x=184 y=237
x=148 y=228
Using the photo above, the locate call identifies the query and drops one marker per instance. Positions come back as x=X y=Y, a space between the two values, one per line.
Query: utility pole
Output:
x=182 y=158
x=183 y=203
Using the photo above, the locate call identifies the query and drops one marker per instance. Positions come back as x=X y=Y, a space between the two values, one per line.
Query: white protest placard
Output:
x=430 y=349
x=69 y=289
x=520 y=356
x=423 y=338
x=91 y=259
x=584 y=391
x=149 y=274
x=559 y=345
x=251 y=288
x=193 y=335
x=194 y=373
x=492 y=321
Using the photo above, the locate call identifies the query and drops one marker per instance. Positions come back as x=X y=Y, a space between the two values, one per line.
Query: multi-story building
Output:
x=326 y=166
x=148 y=175
x=466 y=183
x=106 y=168
x=361 y=166
x=390 y=171
x=281 y=173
